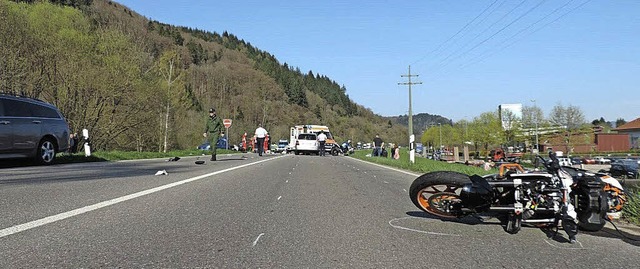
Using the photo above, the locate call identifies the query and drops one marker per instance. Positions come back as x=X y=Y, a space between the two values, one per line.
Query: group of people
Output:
x=379 y=150
x=213 y=129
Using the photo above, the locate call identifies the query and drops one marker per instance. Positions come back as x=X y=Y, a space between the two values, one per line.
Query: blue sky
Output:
x=586 y=53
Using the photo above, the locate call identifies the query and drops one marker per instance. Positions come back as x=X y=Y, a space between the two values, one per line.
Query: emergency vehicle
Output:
x=303 y=129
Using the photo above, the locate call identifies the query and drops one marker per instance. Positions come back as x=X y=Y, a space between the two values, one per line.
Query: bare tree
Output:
x=169 y=69
x=571 y=118
x=532 y=115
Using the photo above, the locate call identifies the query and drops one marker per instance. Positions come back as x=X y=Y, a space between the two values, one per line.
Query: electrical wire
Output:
x=513 y=36
x=496 y=33
x=459 y=31
x=478 y=35
x=475 y=61
x=621 y=234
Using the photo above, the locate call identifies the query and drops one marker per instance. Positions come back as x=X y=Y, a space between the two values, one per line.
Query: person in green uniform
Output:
x=212 y=131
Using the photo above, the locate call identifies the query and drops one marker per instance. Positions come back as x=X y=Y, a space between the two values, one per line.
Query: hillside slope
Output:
x=132 y=82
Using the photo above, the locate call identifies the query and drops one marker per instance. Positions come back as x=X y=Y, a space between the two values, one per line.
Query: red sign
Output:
x=227 y=123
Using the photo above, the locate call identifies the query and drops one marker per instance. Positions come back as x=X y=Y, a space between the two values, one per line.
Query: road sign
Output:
x=227 y=123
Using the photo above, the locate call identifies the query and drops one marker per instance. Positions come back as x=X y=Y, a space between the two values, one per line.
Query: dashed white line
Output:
x=37 y=223
x=255 y=242
x=279 y=197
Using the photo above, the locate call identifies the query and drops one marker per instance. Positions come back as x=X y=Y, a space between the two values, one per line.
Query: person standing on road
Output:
x=322 y=139
x=244 y=142
x=212 y=131
x=378 y=144
x=261 y=133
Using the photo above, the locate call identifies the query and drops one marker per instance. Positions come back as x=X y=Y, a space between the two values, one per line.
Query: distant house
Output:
x=631 y=128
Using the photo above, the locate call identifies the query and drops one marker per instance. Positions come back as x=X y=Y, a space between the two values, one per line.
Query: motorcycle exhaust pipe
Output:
x=538 y=220
x=513 y=208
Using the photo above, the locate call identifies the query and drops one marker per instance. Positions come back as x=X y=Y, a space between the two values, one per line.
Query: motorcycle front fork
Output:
x=514 y=223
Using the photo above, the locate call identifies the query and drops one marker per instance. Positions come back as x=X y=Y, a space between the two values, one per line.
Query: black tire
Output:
x=441 y=185
x=296 y=152
x=594 y=227
x=334 y=151
x=46 y=152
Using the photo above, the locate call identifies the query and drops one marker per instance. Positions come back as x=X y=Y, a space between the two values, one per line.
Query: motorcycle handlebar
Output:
x=553 y=165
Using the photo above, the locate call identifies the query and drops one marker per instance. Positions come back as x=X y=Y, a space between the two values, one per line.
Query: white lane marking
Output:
x=387 y=167
x=386 y=182
x=286 y=181
x=36 y=223
x=405 y=190
x=279 y=197
x=414 y=230
x=255 y=242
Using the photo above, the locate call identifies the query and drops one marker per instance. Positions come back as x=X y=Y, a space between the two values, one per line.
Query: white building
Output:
x=509 y=114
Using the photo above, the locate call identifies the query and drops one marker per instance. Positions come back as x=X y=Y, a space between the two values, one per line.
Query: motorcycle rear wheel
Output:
x=438 y=193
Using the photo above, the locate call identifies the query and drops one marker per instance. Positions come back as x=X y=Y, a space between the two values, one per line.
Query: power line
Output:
x=475 y=60
x=533 y=32
x=459 y=31
x=478 y=35
x=496 y=33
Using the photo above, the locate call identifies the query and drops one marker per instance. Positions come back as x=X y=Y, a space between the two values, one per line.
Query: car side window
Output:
x=15 y=108
x=44 y=112
x=1 y=107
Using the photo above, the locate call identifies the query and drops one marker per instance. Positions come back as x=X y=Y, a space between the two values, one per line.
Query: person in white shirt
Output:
x=322 y=138
x=261 y=133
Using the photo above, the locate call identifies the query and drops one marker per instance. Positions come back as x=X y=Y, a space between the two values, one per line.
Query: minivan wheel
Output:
x=46 y=151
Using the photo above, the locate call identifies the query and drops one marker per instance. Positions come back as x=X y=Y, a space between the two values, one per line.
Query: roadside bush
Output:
x=631 y=211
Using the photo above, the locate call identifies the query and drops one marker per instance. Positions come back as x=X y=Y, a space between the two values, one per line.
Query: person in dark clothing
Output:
x=378 y=144
x=260 y=134
x=322 y=139
x=212 y=131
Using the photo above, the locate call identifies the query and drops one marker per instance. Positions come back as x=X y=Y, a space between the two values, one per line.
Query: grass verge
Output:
x=422 y=165
x=631 y=211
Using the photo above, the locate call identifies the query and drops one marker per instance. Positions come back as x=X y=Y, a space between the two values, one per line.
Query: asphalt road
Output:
x=284 y=211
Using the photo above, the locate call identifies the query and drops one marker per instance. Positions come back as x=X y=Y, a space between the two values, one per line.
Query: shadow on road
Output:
x=552 y=233
x=469 y=220
x=627 y=237
x=64 y=159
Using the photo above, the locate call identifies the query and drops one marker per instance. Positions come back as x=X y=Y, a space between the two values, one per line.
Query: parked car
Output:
x=221 y=144
x=602 y=160
x=306 y=143
x=624 y=169
x=576 y=160
x=588 y=160
x=565 y=161
x=31 y=128
x=282 y=145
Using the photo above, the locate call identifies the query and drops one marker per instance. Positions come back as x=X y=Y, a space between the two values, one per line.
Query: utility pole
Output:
x=412 y=152
x=536 y=111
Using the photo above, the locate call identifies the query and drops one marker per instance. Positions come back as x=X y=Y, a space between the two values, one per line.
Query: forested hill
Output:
x=137 y=84
x=421 y=121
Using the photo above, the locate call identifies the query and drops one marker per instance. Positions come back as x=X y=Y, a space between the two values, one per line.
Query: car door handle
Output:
x=37 y=121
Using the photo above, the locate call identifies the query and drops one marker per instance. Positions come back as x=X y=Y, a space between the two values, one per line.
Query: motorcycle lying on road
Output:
x=345 y=149
x=573 y=197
